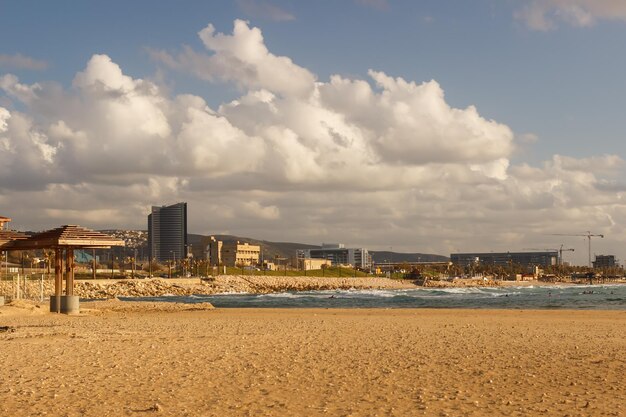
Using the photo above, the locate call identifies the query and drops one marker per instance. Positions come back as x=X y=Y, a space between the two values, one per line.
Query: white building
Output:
x=338 y=254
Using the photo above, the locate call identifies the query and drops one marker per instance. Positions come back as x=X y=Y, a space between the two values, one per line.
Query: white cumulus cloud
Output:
x=242 y=58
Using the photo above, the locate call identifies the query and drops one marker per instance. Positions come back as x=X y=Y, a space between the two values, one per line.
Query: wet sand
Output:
x=125 y=359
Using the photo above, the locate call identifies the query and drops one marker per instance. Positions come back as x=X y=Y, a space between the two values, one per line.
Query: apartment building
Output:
x=167 y=232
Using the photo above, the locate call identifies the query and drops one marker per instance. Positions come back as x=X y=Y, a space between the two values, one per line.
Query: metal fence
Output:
x=35 y=287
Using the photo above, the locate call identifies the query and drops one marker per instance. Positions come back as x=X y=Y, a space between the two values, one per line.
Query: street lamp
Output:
x=172 y=261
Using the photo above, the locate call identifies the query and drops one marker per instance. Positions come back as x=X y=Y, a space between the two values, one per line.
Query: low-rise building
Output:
x=548 y=258
x=338 y=254
x=605 y=261
x=3 y=221
x=233 y=253
x=308 y=264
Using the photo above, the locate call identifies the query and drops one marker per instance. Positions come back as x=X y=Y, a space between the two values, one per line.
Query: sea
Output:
x=553 y=297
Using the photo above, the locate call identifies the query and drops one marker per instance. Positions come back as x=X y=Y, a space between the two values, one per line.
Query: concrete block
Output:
x=70 y=304
x=53 y=304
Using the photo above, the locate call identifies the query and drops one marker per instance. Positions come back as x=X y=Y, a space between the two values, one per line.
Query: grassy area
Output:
x=327 y=272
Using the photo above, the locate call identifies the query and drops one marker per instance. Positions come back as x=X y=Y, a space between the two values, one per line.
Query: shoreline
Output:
x=230 y=284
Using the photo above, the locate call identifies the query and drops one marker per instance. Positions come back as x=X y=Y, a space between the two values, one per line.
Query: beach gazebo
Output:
x=7 y=236
x=64 y=240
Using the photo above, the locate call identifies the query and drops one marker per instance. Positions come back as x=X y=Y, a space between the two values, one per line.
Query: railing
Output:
x=33 y=287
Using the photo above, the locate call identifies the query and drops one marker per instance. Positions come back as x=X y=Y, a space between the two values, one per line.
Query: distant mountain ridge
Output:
x=288 y=250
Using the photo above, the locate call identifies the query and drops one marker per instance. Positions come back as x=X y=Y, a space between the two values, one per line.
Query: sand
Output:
x=175 y=360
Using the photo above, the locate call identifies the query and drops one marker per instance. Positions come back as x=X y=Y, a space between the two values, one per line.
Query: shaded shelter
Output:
x=7 y=236
x=64 y=239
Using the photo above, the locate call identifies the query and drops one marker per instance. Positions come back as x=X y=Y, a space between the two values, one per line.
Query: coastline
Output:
x=258 y=284
x=183 y=360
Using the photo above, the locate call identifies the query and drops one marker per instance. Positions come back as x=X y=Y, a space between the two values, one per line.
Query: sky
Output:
x=414 y=126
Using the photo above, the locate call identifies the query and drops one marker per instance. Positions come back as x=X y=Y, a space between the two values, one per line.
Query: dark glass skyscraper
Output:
x=167 y=232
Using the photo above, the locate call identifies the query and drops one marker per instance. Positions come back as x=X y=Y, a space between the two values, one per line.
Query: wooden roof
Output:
x=7 y=236
x=67 y=236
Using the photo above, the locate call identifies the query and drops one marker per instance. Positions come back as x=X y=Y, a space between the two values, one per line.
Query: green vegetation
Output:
x=326 y=272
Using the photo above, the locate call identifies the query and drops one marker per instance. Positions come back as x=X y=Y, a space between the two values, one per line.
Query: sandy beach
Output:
x=135 y=359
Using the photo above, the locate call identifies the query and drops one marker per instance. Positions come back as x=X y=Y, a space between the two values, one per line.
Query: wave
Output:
x=543 y=297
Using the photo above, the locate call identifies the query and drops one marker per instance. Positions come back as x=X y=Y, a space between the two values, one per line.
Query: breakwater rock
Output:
x=227 y=284
x=99 y=289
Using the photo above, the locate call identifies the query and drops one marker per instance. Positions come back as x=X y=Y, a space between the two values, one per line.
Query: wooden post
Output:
x=58 y=278
x=93 y=267
x=69 y=269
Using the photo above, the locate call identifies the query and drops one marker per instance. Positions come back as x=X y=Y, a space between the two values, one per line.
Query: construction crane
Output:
x=588 y=235
x=560 y=251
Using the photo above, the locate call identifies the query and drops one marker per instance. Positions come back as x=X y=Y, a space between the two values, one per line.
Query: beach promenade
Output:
x=144 y=359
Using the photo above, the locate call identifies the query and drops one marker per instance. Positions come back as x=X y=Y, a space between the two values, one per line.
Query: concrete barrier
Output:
x=70 y=304
x=53 y=304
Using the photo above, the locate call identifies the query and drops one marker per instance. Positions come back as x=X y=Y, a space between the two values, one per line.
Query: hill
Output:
x=270 y=249
x=137 y=239
x=288 y=250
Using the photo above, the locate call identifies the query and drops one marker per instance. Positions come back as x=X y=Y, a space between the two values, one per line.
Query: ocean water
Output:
x=583 y=297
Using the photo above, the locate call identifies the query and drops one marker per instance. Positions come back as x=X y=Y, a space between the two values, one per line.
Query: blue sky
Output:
x=551 y=72
x=564 y=85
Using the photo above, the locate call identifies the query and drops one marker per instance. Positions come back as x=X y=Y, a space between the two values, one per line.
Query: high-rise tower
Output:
x=167 y=232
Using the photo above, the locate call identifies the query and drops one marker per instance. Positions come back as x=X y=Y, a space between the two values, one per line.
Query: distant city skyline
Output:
x=430 y=126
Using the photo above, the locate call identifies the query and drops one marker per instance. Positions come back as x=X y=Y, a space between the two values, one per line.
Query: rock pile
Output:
x=31 y=289
x=223 y=284
x=130 y=288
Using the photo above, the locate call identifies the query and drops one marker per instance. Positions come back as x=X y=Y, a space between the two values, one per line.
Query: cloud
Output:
x=243 y=59
x=264 y=10
x=113 y=128
x=376 y=161
x=544 y=14
x=412 y=123
x=19 y=61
